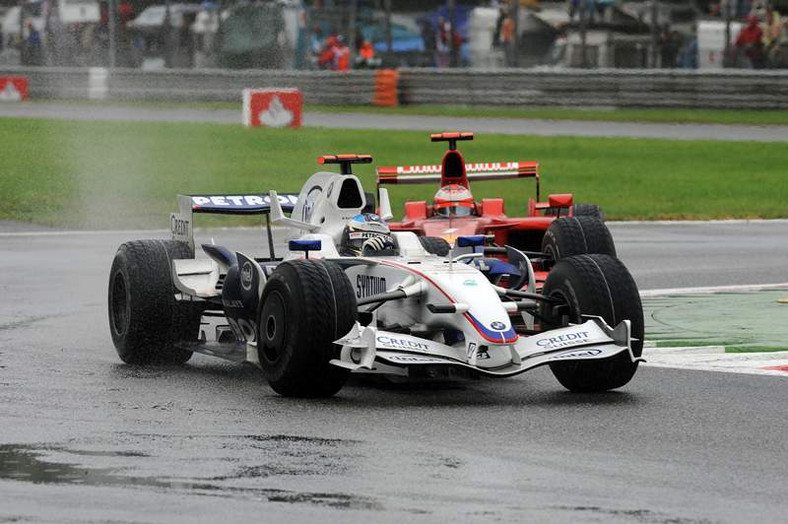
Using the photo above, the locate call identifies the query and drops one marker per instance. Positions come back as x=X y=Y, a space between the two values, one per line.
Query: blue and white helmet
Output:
x=367 y=234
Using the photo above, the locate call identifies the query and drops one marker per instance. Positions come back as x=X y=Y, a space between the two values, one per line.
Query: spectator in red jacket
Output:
x=749 y=43
x=341 y=55
x=325 y=60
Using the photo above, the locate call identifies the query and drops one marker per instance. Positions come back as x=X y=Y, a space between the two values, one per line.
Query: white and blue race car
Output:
x=308 y=316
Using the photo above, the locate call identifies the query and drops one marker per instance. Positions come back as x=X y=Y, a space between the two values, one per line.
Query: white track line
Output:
x=714 y=358
x=645 y=294
x=166 y=231
x=695 y=222
x=648 y=293
x=123 y=231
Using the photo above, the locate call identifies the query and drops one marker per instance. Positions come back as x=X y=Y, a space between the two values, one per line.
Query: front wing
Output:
x=592 y=340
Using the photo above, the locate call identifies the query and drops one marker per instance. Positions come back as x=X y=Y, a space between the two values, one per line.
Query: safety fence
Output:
x=730 y=89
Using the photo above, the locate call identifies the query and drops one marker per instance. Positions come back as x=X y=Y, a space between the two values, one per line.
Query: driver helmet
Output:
x=454 y=200
x=367 y=235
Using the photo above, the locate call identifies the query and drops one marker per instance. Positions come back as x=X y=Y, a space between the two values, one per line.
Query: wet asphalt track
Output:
x=77 y=111
x=85 y=438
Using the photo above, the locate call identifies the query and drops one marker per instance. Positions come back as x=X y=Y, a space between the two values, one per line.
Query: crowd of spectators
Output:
x=332 y=53
x=763 y=41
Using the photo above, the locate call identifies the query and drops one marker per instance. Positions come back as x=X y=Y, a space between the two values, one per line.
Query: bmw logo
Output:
x=500 y=326
x=246 y=276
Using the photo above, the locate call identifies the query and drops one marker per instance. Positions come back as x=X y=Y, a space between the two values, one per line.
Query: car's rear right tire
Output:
x=306 y=306
x=597 y=285
x=589 y=210
x=577 y=210
x=435 y=245
x=570 y=236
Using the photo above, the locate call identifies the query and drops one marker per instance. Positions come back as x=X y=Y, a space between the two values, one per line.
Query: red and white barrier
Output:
x=272 y=107
x=13 y=88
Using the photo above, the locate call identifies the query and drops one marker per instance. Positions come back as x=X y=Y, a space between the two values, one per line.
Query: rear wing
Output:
x=256 y=204
x=181 y=223
x=429 y=174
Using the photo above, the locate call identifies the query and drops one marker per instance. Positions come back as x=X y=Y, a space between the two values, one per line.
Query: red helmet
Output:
x=454 y=200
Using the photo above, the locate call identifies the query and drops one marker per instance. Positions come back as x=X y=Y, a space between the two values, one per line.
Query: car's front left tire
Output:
x=598 y=285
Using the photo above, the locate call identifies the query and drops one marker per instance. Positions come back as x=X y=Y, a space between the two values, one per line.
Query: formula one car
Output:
x=350 y=295
x=454 y=212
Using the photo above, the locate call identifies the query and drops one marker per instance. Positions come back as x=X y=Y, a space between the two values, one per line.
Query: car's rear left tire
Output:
x=306 y=306
x=146 y=321
x=597 y=285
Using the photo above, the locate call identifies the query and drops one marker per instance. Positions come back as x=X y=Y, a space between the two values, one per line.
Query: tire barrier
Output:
x=611 y=88
x=386 y=92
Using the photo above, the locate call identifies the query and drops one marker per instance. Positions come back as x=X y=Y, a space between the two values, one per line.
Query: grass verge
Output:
x=125 y=174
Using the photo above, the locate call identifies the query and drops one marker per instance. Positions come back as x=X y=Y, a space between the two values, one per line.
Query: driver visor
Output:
x=458 y=209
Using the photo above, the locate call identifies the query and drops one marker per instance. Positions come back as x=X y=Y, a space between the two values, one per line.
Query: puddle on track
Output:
x=27 y=463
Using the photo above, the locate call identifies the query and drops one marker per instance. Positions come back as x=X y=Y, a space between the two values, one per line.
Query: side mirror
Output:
x=519 y=260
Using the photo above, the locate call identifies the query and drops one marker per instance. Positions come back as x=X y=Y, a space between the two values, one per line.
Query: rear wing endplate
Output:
x=181 y=223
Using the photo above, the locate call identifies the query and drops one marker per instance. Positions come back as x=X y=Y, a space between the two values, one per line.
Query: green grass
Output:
x=113 y=174
x=755 y=349
x=685 y=116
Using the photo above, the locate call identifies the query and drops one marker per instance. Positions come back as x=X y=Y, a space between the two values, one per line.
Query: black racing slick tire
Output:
x=570 y=236
x=146 y=321
x=306 y=306
x=597 y=285
x=435 y=245
x=589 y=210
x=592 y=210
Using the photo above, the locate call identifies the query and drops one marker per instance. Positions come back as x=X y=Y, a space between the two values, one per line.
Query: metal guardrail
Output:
x=729 y=89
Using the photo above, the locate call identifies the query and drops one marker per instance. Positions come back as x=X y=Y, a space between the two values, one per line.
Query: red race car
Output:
x=453 y=211
x=551 y=230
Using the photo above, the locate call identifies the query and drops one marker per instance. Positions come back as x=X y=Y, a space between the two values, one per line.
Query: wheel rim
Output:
x=273 y=327
x=566 y=306
x=120 y=304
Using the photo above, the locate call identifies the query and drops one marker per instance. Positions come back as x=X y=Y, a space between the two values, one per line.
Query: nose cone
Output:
x=486 y=316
